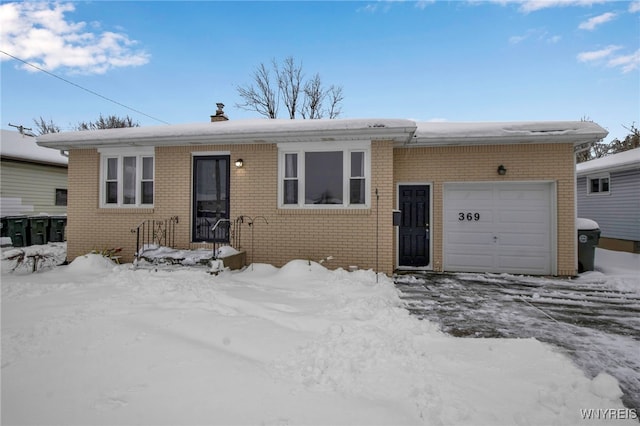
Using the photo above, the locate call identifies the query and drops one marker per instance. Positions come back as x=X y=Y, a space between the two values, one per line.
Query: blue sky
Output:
x=429 y=60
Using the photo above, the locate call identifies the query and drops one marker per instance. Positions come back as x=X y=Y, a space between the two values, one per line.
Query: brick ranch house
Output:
x=476 y=197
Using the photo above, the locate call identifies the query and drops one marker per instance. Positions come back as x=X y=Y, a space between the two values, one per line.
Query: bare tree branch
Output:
x=108 y=122
x=289 y=83
x=43 y=127
x=335 y=99
x=313 y=97
x=262 y=97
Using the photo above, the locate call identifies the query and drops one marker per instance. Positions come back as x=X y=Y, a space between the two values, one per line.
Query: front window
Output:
x=323 y=177
x=313 y=176
x=290 y=189
x=598 y=184
x=127 y=178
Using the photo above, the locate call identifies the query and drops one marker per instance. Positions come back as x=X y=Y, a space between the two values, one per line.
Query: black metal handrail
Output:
x=151 y=231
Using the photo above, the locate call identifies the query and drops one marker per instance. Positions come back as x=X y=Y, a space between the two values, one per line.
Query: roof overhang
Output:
x=402 y=132
x=235 y=132
x=495 y=133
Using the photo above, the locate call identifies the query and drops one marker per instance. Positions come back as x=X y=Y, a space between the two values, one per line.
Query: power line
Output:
x=83 y=88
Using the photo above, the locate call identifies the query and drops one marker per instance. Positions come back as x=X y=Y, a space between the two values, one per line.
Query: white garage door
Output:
x=498 y=227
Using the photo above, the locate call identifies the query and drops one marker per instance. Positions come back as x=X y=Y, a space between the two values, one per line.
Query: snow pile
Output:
x=225 y=251
x=606 y=386
x=91 y=263
x=156 y=253
x=617 y=270
x=295 y=345
x=586 y=224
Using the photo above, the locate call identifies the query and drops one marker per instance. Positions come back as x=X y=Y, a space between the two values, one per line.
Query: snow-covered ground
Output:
x=97 y=343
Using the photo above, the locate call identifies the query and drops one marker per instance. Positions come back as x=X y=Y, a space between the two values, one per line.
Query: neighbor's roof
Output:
x=15 y=146
x=626 y=160
x=402 y=132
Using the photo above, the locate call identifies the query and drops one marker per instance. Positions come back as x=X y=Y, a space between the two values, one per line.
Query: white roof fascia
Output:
x=627 y=160
x=450 y=133
x=235 y=132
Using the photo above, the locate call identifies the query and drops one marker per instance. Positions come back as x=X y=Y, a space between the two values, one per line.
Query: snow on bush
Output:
x=91 y=263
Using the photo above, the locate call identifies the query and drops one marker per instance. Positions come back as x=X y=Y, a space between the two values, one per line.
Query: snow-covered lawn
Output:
x=95 y=343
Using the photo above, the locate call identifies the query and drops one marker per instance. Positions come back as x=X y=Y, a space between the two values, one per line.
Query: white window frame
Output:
x=599 y=177
x=346 y=148
x=120 y=153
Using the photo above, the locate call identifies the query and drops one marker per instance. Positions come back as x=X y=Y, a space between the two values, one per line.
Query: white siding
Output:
x=31 y=188
x=617 y=213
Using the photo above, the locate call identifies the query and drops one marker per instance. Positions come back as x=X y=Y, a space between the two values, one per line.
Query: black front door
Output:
x=413 y=239
x=210 y=198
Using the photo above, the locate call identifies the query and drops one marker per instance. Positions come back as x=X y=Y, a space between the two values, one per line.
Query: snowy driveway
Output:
x=596 y=325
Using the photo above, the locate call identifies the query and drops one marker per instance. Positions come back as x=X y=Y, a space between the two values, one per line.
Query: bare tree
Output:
x=313 y=97
x=289 y=83
x=260 y=96
x=602 y=149
x=43 y=127
x=335 y=100
x=108 y=122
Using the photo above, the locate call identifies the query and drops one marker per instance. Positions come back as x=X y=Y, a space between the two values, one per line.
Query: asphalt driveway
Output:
x=599 y=328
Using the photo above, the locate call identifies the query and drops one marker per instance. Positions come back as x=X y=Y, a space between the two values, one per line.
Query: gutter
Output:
x=297 y=135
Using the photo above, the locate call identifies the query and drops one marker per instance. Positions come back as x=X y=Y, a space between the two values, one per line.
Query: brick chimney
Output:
x=220 y=115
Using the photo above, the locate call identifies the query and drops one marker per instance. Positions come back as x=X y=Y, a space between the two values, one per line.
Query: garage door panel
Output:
x=530 y=195
x=533 y=241
x=462 y=238
x=469 y=262
x=478 y=194
x=537 y=217
x=485 y=219
x=512 y=233
x=515 y=264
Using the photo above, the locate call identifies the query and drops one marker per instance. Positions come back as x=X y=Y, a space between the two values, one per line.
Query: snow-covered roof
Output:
x=16 y=146
x=236 y=131
x=448 y=133
x=626 y=160
x=402 y=132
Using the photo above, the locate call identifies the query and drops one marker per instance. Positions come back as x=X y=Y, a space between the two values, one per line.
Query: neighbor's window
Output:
x=316 y=177
x=127 y=178
x=61 y=197
x=598 y=184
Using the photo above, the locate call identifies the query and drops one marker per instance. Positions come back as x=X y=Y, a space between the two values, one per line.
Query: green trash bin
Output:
x=39 y=226
x=57 y=226
x=588 y=238
x=18 y=230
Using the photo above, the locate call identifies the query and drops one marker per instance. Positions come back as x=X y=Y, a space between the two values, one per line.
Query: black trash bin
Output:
x=588 y=238
x=39 y=229
x=57 y=225
x=18 y=230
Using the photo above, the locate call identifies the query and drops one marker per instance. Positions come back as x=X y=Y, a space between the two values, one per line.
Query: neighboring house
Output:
x=33 y=178
x=608 y=191
x=497 y=197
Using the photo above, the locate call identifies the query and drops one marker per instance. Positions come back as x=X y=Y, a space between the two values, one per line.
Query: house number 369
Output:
x=468 y=216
